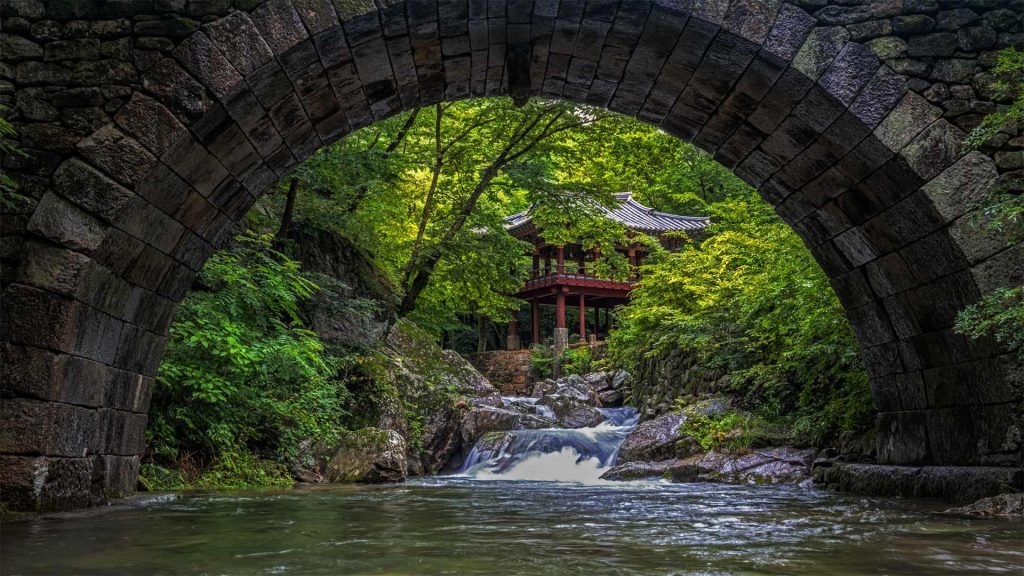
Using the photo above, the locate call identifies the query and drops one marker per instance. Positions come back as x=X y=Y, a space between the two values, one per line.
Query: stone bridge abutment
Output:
x=151 y=126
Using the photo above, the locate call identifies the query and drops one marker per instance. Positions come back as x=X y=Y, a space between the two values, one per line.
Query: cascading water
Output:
x=554 y=454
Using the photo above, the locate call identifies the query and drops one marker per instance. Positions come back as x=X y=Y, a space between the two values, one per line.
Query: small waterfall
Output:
x=554 y=454
x=527 y=404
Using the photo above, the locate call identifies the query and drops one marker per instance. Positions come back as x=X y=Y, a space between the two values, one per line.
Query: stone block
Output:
x=175 y=88
x=58 y=220
x=912 y=115
x=52 y=268
x=962 y=186
x=118 y=250
x=149 y=268
x=899 y=392
x=871 y=324
x=112 y=151
x=44 y=375
x=976 y=382
x=975 y=240
x=42 y=484
x=856 y=247
x=150 y=123
x=164 y=189
x=200 y=56
x=46 y=428
x=902 y=437
x=935 y=149
x=196 y=165
x=933 y=256
x=852 y=69
x=912 y=218
x=822 y=46
x=937 y=44
x=1002 y=270
x=145 y=221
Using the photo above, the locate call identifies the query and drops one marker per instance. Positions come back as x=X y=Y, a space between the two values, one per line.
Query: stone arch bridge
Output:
x=151 y=126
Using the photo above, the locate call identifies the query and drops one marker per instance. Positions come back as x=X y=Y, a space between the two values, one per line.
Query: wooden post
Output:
x=583 y=319
x=561 y=261
x=632 y=262
x=535 y=321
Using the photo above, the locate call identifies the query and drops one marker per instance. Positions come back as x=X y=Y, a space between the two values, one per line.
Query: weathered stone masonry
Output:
x=151 y=126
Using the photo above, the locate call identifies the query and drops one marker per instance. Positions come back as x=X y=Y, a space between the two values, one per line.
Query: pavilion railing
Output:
x=575 y=272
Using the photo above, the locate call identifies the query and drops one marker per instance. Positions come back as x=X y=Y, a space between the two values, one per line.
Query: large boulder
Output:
x=483 y=419
x=779 y=465
x=351 y=309
x=435 y=388
x=771 y=466
x=660 y=438
x=572 y=400
x=675 y=470
x=653 y=440
x=369 y=455
x=579 y=416
x=1011 y=505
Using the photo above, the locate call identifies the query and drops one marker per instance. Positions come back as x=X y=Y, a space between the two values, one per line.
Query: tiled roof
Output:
x=632 y=215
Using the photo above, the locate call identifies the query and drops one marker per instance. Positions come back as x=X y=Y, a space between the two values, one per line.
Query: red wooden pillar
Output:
x=535 y=320
x=583 y=319
x=560 y=310
x=561 y=262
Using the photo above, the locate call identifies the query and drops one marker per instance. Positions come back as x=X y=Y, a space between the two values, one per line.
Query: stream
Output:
x=528 y=504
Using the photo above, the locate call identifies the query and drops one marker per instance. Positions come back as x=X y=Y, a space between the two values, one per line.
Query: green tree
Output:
x=751 y=300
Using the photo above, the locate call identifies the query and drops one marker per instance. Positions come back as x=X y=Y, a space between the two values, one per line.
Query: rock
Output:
x=769 y=466
x=574 y=399
x=611 y=398
x=938 y=44
x=675 y=470
x=580 y=417
x=350 y=310
x=913 y=24
x=652 y=440
x=369 y=455
x=660 y=439
x=1001 y=505
x=957 y=484
x=483 y=419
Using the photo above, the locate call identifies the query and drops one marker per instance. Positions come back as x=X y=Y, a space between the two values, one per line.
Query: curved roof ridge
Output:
x=629 y=198
x=631 y=214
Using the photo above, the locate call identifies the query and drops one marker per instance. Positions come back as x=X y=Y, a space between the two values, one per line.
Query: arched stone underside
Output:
x=154 y=125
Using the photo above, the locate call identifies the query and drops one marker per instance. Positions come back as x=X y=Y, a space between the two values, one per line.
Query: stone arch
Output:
x=196 y=108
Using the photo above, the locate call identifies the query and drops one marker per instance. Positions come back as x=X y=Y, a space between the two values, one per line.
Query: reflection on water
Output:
x=470 y=526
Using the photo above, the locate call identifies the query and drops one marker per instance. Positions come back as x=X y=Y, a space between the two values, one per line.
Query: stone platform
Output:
x=957 y=484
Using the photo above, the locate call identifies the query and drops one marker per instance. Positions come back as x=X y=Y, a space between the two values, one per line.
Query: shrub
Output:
x=242 y=376
x=576 y=360
x=542 y=360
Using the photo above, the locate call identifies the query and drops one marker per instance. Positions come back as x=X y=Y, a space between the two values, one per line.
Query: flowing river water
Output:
x=529 y=504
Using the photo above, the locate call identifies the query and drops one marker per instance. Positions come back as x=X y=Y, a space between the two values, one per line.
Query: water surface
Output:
x=467 y=526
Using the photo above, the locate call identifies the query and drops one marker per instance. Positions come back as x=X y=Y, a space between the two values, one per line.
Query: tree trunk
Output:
x=289 y=209
x=481 y=333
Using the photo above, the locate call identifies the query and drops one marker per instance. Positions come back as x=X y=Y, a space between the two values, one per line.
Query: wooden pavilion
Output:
x=566 y=274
